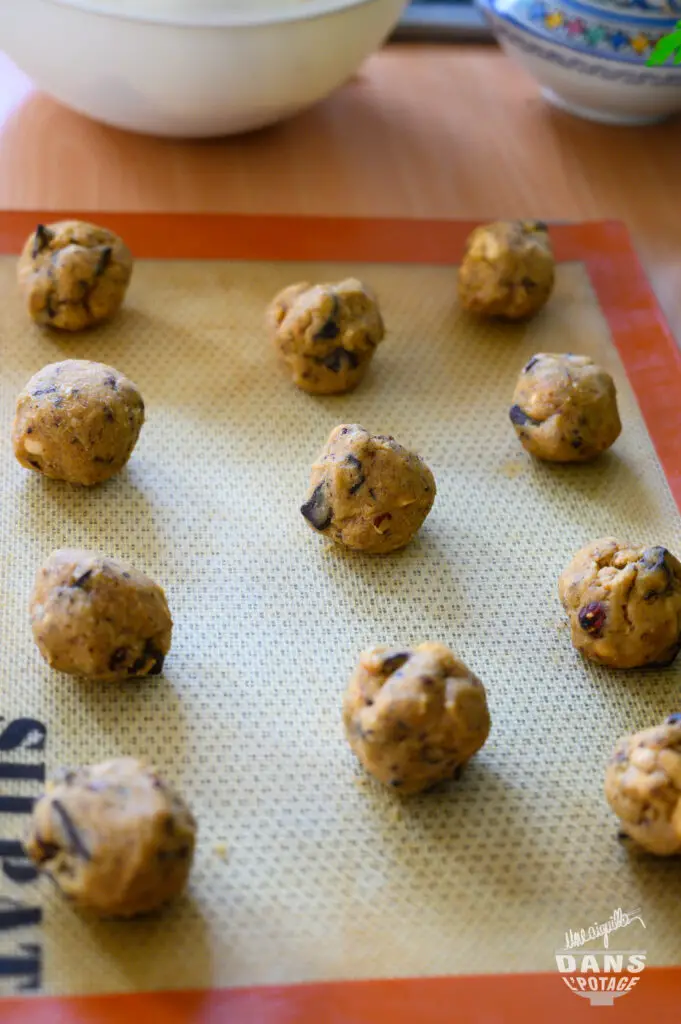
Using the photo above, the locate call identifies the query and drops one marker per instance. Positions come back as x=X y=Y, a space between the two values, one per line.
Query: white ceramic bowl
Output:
x=588 y=56
x=192 y=68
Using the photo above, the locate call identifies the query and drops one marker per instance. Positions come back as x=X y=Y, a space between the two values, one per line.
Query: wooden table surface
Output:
x=423 y=131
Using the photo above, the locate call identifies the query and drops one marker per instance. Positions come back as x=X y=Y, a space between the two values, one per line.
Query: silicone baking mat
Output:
x=307 y=873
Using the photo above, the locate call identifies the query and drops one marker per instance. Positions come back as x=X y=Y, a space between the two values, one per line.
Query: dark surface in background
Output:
x=442 y=21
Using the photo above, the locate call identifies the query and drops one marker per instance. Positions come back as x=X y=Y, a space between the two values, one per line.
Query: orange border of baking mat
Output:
x=653 y=364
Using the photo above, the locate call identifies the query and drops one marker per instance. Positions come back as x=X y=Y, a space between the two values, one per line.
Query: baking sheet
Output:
x=305 y=870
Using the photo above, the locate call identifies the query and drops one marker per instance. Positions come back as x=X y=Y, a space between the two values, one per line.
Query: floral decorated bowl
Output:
x=590 y=58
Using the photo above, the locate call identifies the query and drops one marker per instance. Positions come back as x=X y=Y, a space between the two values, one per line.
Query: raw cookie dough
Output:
x=326 y=334
x=77 y=421
x=624 y=604
x=367 y=492
x=414 y=716
x=643 y=786
x=565 y=408
x=73 y=275
x=95 y=617
x=114 y=837
x=507 y=270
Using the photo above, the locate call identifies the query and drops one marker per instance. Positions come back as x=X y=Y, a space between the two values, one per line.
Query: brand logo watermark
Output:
x=601 y=973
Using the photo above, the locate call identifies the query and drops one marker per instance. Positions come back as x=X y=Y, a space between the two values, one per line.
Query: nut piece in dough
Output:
x=643 y=786
x=77 y=421
x=114 y=837
x=624 y=604
x=565 y=408
x=73 y=274
x=507 y=270
x=414 y=716
x=367 y=492
x=326 y=334
x=95 y=617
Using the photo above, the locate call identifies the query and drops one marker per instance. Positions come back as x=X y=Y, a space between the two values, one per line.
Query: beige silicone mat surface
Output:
x=305 y=870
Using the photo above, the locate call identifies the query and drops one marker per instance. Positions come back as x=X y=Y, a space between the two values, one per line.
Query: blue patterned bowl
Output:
x=590 y=58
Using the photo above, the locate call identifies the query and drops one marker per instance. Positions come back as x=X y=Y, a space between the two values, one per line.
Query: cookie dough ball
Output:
x=326 y=334
x=115 y=837
x=565 y=408
x=367 y=492
x=73 y=275
x=643 y=786
x=507 y=269
x=414 y=716
x=99 y=618
x=77 y=421
x=624 y=604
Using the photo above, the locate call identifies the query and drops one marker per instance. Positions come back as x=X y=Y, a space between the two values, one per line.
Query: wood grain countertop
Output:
x=422 y=131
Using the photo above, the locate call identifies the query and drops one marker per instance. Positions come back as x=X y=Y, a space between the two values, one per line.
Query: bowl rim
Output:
x=270 y=15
